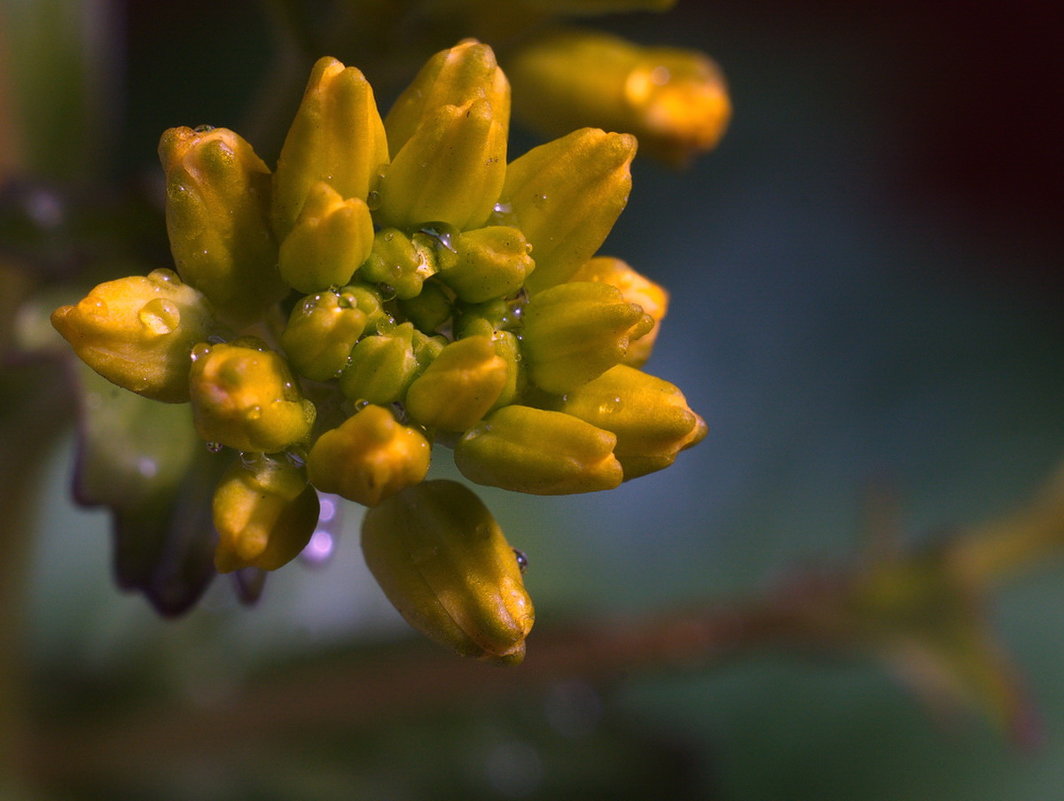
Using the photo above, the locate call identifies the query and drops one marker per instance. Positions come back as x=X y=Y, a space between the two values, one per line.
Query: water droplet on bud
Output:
x=199 y=350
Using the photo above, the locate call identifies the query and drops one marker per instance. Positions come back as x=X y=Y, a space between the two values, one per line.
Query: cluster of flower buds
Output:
x=395 y=283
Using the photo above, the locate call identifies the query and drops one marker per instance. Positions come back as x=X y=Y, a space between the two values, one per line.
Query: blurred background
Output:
x=867 y=296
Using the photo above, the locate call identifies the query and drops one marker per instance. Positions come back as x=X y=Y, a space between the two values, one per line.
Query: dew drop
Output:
x=254 y=413
x=373 y=200
x=214 y=447
x=610 y=406
x=160 y=316
x=503 y=208
x=203 y=128
x=296 y=456
x=522 y=560
x=199 y=350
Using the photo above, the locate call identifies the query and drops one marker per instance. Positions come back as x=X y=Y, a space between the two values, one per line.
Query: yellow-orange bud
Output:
x=450 y=170
x=540 y=452
x=445 y=564
x=459 y=386
x=453 y=77
x=635 y=288
x=246 y=398
x=674 y=100
x=369 y=457
x=337 y=136
x=217 y=217
x=264 y=512
x=138 y=332
x=574 y=332
x=330 y=240
x=650 y=417
x=565 y=197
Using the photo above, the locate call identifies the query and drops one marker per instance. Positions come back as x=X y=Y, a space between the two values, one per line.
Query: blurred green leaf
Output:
x=143 y=460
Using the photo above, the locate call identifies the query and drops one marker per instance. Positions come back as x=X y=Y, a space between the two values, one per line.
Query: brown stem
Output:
x=364 y=686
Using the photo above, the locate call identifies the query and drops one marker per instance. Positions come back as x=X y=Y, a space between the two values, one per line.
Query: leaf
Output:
x=143 y=461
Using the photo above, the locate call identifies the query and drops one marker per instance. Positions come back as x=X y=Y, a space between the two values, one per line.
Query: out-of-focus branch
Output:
x=920 y=612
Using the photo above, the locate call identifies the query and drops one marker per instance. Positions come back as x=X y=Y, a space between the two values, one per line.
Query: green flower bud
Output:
x=321 y=332
x=431 y=308
x=507 y=347
x=576 y=331
x=486 y=263
x=138 y=332
x=450 y=170
x=565 y=196
x=399 y=261
x=486 y=318
x=217 y=201
x=468 y=71
x=337 y=136
x=650 y=417
x=246 y=398
x=381 y=367
x=634 y=288
x=330 y=240
x=459 y=387
x=370 y=457
x=264 y=512
x=539 y=452
x=444 y=563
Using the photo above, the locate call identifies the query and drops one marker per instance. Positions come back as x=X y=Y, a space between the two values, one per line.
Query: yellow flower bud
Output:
x=370 y=457
x=246 y=398
x=264 y=512
x=507 y=347
x=468 y=71
x=675 y=101
x=650 y=417
x=401 y=262
x=539 y=452
x=486 y=263
x=444 y=563
x=321 y=331
x=574 y=332
x=217 y=206
x=382 y=366
x=450 y=170
x=459 y=387
x=565 y=196
x=635 y=288
x=330 y=240
x=337 y=136
x=138 y=332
